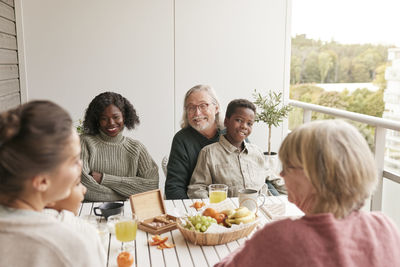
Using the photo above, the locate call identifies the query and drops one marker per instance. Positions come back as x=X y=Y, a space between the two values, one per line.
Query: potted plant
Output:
x=270 y=111
x=79 y=127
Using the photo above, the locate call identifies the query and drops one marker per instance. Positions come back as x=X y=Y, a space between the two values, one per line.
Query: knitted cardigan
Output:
x=126 y=165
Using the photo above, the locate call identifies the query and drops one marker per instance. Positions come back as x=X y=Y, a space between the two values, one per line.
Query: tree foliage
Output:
x=380 y=80
x=361 y=101
x=331 y=62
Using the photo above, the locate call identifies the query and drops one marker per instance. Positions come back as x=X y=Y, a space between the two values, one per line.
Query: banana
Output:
x=247 y=219
x=228 y=212
x=240 y=212
x=228 y=224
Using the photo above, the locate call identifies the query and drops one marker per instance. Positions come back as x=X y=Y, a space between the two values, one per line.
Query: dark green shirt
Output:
x=185 y=149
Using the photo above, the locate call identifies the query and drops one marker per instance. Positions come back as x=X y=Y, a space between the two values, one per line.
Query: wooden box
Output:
x=150 y=209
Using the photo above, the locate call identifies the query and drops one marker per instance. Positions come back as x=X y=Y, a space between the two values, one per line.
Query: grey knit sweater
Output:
x=126 y=166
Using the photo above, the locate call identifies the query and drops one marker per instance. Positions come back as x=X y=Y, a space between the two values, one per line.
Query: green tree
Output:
x=375 y=104
x=306 y=93
x=326 y=63
x=380 y=80
x=371 y=58
x=357 y=100
x=346 y=62
x=330 y=99
x=311 y=71
x=344 y=70
x=295 y=69
x=298 y=92
x=361 y=101
x=358 y=72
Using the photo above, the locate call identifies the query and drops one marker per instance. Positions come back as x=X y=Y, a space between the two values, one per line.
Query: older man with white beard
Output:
x=201 y=126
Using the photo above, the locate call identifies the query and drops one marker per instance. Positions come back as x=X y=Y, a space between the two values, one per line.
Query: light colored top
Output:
x=223 y=163
x=361 y=239
x=126 y=165
x=80 y=226
x=29 y=238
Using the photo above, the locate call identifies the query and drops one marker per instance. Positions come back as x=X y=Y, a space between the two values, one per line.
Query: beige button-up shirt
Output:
x=223 y=163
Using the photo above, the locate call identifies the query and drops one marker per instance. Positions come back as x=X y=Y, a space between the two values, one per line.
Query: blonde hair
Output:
x=214 y=99
x=337 y=161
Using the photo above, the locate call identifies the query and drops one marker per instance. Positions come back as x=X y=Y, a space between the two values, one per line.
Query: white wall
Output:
x=234 y=46
x=152 y=52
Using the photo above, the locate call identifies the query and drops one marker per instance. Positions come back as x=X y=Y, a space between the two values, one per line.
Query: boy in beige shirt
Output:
x=232 y=161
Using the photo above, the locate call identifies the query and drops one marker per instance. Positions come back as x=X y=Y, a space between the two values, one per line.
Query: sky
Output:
x=348 y=21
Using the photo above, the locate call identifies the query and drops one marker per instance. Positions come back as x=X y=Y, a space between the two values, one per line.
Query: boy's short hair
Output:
x=239 y=103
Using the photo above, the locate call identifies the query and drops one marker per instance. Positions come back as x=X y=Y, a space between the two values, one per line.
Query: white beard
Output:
x=204 y=124
x=202 y=127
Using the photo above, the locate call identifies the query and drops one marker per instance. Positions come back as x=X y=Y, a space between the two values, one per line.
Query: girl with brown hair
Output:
x=39 y=164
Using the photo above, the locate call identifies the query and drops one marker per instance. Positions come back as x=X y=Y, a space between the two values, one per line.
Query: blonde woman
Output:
x=329 y=172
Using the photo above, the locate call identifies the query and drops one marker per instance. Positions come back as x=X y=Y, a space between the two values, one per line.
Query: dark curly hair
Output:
x=239 y=103
x=100 y=103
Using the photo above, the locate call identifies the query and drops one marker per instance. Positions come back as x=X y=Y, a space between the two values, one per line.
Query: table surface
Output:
x=184 y=253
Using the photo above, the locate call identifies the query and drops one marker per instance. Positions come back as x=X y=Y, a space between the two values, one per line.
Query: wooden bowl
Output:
x=210 y=239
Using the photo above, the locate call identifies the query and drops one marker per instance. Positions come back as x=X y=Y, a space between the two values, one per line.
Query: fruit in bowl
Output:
x=199 y=223
x=240 y=215
x=220 y=217
x=194 y=232
x=210 y=212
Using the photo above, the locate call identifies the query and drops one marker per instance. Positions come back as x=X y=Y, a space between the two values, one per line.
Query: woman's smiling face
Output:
x=111 y=121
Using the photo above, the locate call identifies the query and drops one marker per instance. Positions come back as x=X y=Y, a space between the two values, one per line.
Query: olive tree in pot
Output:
x=79 y=127
x=270 y=111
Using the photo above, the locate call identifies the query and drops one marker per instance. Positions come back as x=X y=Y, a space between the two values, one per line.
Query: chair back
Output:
x=164 y=163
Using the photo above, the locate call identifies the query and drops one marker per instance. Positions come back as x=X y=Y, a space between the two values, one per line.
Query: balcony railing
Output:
x=381 y=125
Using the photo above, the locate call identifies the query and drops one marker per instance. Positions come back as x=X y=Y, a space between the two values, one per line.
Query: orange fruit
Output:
x=210 y=212
x=220 y=217
x=198 y=205
x=124 y=259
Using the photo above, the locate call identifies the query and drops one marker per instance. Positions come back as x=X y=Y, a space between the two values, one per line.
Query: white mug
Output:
x=249 y=198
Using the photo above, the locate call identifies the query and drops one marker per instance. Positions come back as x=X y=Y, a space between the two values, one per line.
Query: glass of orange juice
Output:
x=125 y=228
x=217 y=192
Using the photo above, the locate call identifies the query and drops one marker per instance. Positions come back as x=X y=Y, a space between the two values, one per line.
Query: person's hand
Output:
x=96 y=176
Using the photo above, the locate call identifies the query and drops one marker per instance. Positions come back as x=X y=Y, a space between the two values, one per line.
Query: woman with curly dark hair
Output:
x=114 y=166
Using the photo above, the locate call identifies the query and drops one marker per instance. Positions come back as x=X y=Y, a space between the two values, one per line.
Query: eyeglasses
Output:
x=202 y=107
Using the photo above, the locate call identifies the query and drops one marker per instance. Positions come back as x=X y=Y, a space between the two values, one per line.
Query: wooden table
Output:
x=184 y=254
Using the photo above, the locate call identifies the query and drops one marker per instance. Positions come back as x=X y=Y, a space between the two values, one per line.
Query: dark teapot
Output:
x=109 y=208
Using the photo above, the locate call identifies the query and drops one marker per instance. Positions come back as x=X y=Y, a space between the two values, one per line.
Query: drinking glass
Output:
x=100 y=226
x=217 y=192
x=125 y=228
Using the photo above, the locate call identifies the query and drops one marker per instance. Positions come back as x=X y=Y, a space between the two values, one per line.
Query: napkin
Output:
x=279 y=211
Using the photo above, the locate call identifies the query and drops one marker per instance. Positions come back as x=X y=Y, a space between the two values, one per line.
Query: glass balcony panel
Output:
x=390 y=198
